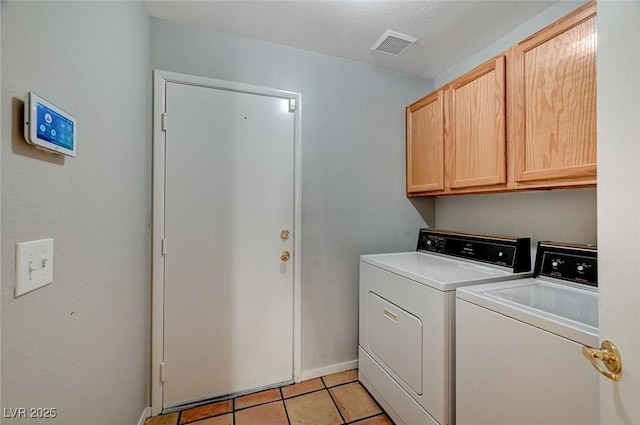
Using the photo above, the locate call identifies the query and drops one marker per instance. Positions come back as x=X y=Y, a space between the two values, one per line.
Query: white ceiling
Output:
x=448 y=31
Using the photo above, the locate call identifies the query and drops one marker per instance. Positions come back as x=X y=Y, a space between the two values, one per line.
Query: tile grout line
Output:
x=372 y=398
x=232 y=400
x=233 y=411
x=381 y=413
x=255 y=405
x=365 y=418
x=344 y=421
x=303 y=394
x=342 y=384
x=281 y=399
x=286 y=412
x=326 y=388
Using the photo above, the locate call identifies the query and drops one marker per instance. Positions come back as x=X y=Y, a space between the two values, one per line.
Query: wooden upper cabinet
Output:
x=425 y=144
x=522 y=120
x=552 y=103
x=475 y=127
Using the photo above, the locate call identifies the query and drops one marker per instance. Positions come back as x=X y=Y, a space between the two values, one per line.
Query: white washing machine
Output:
x=519 y=344
x=407 y=313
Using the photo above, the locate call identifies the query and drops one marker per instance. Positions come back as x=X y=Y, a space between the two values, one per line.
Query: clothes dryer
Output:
x=407 y=317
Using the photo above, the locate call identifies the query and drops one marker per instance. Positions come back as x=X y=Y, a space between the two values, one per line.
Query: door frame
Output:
x=160 y=79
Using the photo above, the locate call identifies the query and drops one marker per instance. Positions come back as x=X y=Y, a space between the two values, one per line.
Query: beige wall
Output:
x=558 y=215
x=79 y=345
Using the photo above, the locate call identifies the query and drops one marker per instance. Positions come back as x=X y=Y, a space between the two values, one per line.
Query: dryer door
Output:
x=395 y=337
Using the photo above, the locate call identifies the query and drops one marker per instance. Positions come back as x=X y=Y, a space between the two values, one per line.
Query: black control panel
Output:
x=498 y=250
x=573 y=263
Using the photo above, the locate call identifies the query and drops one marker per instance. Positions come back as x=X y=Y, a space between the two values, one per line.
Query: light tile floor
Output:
x=331 y=400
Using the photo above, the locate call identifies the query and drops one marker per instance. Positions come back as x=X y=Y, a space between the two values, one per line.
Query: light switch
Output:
x=34 y=265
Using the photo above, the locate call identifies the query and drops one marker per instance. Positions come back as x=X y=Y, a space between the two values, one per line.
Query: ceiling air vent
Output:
x=393 y=43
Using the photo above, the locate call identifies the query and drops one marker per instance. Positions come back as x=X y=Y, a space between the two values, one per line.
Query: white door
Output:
x=619 y=203
x=229 y=195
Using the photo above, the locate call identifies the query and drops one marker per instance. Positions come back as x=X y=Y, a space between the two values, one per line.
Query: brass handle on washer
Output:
x=609 y=355
x=284 y=255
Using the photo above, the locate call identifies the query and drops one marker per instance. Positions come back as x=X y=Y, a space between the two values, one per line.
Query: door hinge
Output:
x=292 y=105
x=164 y=121
x=163 y=247
x=161 y=372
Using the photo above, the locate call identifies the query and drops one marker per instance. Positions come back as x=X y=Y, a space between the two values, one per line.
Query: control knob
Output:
x=582 y=268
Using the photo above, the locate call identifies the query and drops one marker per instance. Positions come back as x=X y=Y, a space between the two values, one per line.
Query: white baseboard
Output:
x=328 y=370
x=146 y=413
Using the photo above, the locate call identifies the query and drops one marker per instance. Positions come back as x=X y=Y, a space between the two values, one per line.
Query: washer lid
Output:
x=562 y=309
x=439 y=272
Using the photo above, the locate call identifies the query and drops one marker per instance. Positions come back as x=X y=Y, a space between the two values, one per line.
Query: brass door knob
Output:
x=284 y=255
x=607 y=354
x=284 y=235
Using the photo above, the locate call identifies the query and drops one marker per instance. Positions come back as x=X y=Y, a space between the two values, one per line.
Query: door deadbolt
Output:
x=284 y=234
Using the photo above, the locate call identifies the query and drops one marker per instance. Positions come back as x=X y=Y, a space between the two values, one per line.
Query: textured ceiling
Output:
x=447 y=31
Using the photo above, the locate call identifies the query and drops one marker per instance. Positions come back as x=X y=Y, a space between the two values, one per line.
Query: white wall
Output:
x=353 y=167
x=79 y=345
x=559 y=215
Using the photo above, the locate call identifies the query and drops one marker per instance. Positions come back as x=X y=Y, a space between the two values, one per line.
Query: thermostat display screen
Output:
x=48 y=127
x=53 y=127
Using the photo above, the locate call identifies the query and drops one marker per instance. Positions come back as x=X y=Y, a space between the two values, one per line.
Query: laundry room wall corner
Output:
x=426 y=207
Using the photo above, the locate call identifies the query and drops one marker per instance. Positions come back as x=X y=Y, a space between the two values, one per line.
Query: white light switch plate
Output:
x=34 y=265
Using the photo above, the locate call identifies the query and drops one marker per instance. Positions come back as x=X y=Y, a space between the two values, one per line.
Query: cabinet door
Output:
x=552 y=114
x=425 y=144
x=477 y=129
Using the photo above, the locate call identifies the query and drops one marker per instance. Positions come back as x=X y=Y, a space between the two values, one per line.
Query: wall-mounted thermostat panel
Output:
x=48 y=127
